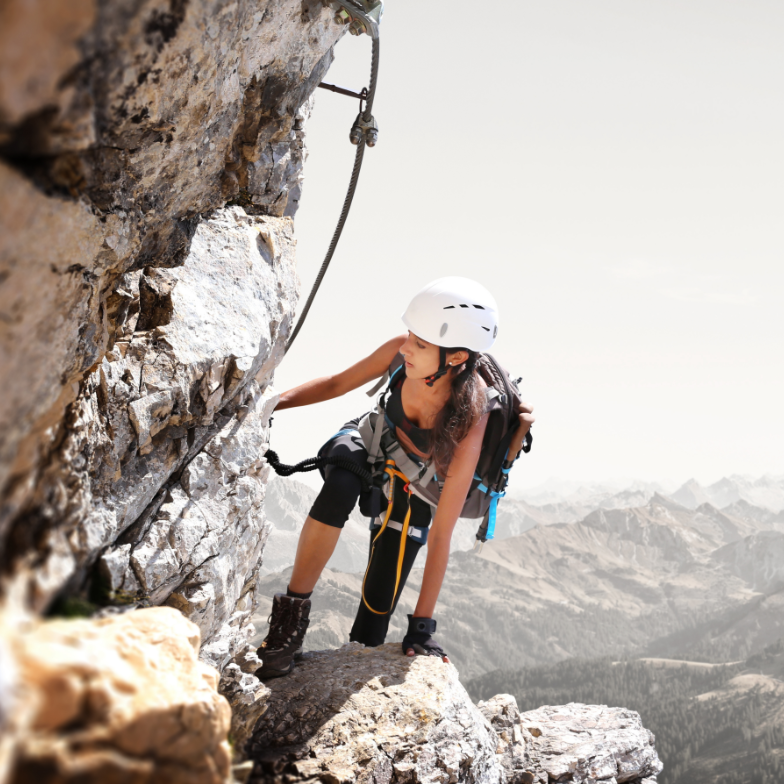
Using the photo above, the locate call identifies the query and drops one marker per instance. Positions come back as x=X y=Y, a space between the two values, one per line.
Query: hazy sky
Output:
x=613 y=171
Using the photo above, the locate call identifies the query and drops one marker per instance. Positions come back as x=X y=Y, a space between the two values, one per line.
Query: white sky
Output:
x=614 y=172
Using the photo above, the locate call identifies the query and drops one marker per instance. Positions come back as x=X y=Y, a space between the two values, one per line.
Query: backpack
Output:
x=492 y=470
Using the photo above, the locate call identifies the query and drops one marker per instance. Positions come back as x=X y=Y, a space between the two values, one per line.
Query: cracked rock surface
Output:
x=160 y=479
x=122 y=125
x=163 y=469
x=373 y=715
x=177 y=492
x=580 y=744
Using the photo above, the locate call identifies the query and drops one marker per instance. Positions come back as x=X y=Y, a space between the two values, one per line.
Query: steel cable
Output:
x=366 y=114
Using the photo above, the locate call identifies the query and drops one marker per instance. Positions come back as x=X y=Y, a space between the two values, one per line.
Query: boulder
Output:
x=122 y=699
x=361 y=714
x=579 y=744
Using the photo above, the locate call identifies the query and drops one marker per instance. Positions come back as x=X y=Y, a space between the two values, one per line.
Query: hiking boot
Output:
x=288 y=623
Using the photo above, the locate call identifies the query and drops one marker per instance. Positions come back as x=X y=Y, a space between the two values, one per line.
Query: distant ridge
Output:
x=288 y=502
x=691 y=495
x=668 y=502
x=652 y=579
x=766 y=492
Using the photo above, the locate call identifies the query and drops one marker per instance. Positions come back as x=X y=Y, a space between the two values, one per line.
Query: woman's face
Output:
x=422 y=358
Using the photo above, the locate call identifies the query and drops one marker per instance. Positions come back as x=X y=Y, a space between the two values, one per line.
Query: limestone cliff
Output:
x=141 y=318
x=117 y=145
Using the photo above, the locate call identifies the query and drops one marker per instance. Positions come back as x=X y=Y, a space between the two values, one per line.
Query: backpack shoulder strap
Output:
x=492 y=399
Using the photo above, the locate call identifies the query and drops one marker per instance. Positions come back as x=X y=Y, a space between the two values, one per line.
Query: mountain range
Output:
x=665 y=603
x=288 y=501
x=766 y=492
x=657 y=579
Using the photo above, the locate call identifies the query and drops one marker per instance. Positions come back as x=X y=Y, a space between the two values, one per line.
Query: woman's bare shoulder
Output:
x=393 y=345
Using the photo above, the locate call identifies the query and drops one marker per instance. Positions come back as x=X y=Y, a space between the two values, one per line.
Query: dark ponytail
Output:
x=462 y=411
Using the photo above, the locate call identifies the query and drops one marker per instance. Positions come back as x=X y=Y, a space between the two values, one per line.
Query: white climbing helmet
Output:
x=454 y=312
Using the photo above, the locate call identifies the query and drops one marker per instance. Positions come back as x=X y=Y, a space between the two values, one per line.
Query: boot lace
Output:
x=283 y=622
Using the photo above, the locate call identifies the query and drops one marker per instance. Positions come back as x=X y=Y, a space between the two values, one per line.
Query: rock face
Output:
x=122 y=126
x=573 y=743
x=163 y=455
x=141 y=317
x=373 y=715
x=122 y=699
x=178 y=418
x=164 y=450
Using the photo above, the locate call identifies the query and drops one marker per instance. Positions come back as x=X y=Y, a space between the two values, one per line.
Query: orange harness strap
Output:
x=394 y=474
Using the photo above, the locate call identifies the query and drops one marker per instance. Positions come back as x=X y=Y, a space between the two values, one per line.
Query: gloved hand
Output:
x=418 y=638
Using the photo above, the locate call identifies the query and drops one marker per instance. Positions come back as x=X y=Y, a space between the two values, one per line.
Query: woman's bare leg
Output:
x=315 y=547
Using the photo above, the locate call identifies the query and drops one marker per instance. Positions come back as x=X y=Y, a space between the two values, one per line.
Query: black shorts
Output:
x=334 y=504
x=342 y=488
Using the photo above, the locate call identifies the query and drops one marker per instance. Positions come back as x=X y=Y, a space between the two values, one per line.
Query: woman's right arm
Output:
x=326 y=388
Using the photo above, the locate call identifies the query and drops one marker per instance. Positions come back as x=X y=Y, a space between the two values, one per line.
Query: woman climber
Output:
x=431 y=428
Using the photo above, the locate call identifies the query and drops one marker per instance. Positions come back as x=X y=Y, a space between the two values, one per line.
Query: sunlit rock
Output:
x=122 y=699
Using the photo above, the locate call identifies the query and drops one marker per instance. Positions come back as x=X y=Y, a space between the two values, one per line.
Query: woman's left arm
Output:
x=453 y=496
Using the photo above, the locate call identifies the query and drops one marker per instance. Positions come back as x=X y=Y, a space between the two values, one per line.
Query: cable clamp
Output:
x=364 y=130
x=360 y=16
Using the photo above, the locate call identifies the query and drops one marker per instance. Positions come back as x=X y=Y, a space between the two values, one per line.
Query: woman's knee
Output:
x=337 y=497
x=343 y=483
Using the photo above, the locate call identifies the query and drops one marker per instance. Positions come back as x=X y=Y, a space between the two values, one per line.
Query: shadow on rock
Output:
x=371 y=714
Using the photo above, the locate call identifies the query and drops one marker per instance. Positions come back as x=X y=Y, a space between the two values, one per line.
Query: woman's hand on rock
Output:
x=423 y=652
x=419 y=639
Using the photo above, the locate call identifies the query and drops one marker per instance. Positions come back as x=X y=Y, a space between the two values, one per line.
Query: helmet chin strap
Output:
x=443 y=368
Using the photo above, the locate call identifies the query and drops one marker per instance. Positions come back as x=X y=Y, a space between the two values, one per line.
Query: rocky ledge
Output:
x=371 y=715
x=124 y=699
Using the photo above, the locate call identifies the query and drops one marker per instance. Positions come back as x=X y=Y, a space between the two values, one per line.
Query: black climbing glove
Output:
x=418 y=637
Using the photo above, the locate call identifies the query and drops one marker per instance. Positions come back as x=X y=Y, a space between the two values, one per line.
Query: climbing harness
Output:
x=361 y=16
x=314 y=463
